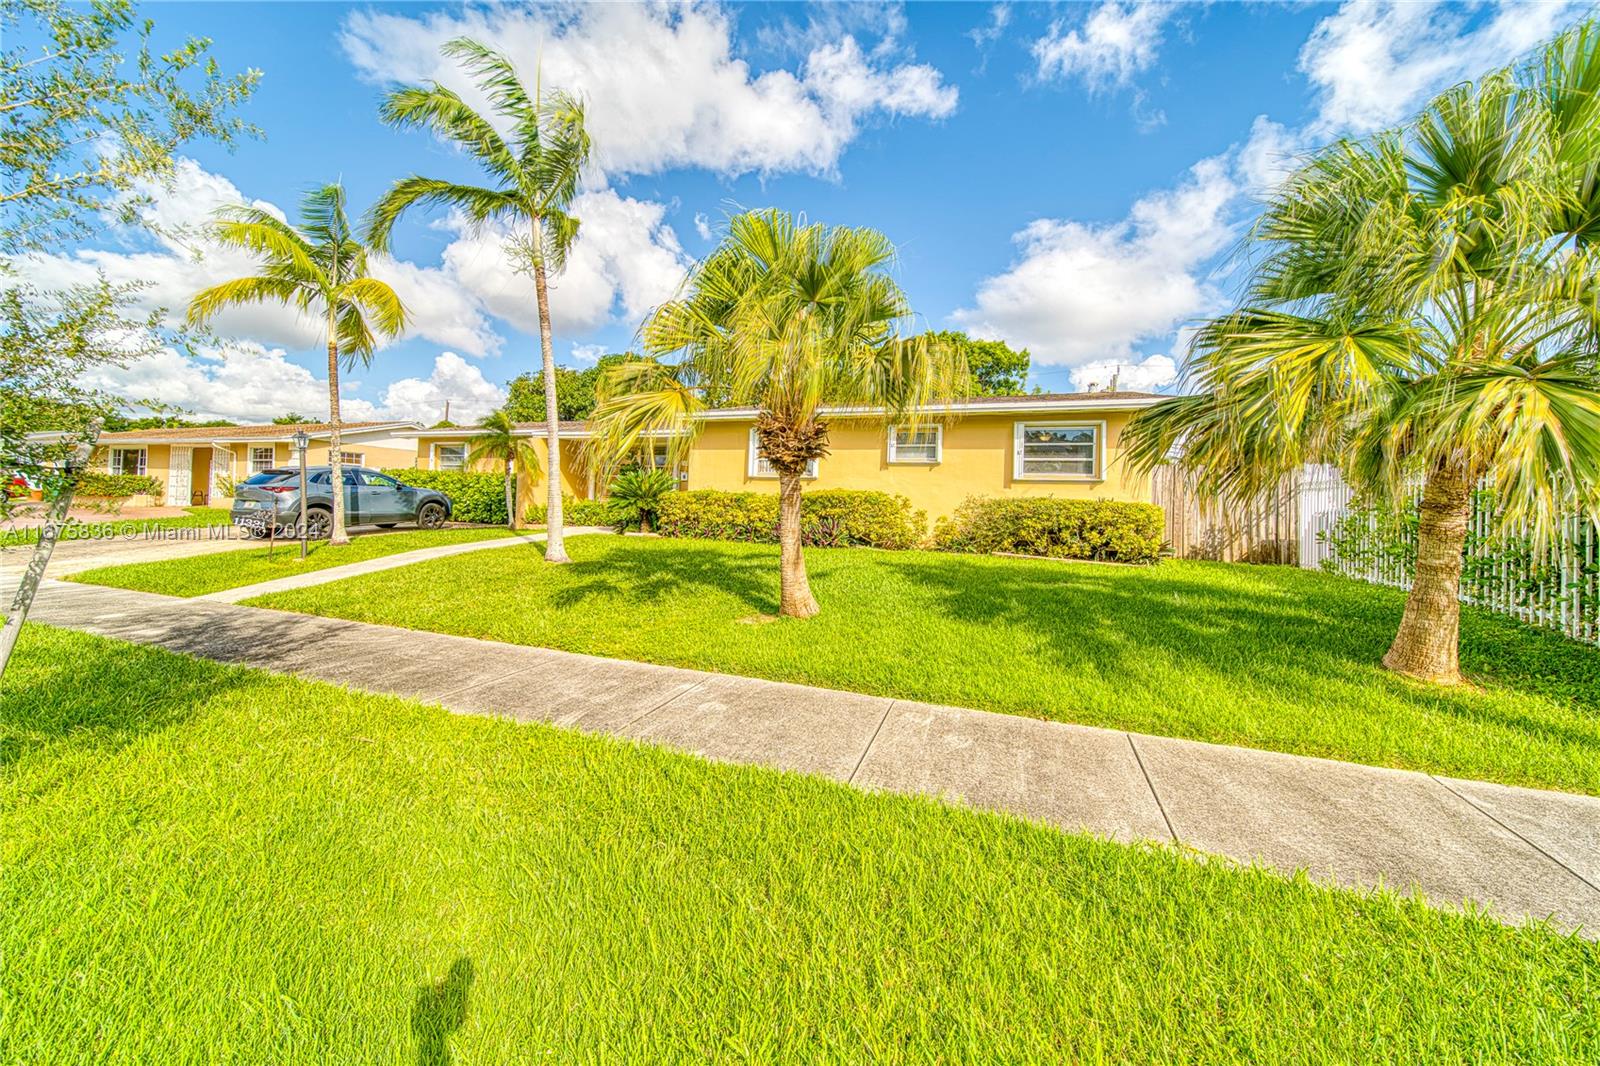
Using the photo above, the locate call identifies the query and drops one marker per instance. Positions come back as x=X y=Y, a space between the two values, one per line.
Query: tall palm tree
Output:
x=318 y=268
x=535 y=173
x=497 y=440
x=789 y=318
x=1423 y=309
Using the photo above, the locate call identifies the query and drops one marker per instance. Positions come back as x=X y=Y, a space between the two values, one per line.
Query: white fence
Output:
x=1556 y=586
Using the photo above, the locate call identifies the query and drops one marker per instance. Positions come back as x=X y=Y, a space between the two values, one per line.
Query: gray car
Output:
x=370 y=499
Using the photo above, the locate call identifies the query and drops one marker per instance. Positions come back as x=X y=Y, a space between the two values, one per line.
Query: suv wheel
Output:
x=430 y=516
x=319 y=523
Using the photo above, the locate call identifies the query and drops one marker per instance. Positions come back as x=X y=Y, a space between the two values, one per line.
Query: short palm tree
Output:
x=1422 y=310
x=790 y=318
x=535 y=174
x=635 y=497
x=497 y=440
x=318 y=268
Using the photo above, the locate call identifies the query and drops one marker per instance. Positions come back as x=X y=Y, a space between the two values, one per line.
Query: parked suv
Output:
x=370 y=499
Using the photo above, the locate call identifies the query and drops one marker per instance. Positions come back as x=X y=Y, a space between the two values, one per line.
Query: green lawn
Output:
x=200 y=574
x=205 y=863
x=197 y=517
x=1270 y=657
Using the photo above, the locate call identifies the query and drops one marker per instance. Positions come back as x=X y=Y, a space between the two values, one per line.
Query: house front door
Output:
x=179 y=476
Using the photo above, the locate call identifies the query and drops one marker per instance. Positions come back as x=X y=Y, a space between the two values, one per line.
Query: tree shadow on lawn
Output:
x=96 y=692
x=669 y=571
x=1266 y=629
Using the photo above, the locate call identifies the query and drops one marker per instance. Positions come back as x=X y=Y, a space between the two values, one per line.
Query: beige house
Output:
x=1066 y=445
x=191 y=463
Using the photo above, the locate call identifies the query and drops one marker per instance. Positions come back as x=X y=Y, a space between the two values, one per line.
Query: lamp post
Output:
x=301 y=440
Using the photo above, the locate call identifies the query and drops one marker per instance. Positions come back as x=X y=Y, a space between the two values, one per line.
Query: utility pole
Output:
x=47 y=544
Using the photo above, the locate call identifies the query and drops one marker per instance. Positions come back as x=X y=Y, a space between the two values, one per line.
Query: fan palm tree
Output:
x=497 y=440
x=788 y=318
x=1423 y=310
x=535 y=173
x=318 y=268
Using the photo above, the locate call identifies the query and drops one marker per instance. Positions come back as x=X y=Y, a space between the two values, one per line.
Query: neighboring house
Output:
x=189 y=462
x=1056 y=445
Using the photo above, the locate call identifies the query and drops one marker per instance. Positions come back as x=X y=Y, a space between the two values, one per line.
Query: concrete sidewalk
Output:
x=1521 y=852
x=371 y=566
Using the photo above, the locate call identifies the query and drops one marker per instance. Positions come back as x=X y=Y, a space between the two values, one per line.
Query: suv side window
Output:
x=381 y=481
x=320 y=478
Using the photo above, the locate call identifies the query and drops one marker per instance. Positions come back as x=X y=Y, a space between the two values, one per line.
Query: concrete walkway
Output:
x=371 y=566
x=1519 y=852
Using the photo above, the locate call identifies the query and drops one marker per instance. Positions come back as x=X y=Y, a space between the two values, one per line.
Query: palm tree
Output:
x=535 y=175
x=789 y=318
x=320 y=269
x=498 y=440
x=1423 y=309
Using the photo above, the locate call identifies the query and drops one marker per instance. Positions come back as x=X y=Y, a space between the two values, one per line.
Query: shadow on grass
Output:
x=97 y=693
x=674 y=570
x=439 y=1011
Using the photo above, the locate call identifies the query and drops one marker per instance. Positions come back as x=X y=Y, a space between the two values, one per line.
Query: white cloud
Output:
x=1372 y=64
x=181 y=263
x=664 y=86
x=1081 y=293
x=986 y=35
x=1114 y=43
x=702 y=225
x=627 y=259
x=454 y=380
x=1158 y=371
x=587 y=353
x=246 y=381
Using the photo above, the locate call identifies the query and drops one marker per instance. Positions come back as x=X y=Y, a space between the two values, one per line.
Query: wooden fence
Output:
x=1280 y=528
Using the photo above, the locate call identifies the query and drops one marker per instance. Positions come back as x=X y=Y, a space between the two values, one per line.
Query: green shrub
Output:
x=574 y=512
x=475 y=496
x=117 y=486
x=636 y=497
x=1061 y=529
x=828 y=518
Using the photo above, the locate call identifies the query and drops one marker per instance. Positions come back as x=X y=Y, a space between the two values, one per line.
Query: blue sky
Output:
x=1069 y=177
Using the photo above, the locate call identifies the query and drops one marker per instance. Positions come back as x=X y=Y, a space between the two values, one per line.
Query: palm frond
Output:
x=478 y=204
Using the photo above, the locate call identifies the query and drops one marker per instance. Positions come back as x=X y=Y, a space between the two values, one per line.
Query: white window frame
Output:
x=1019 y=429
x=252 y=458
x=116 y=462
x=350 y=458
x=438 y=464
x=757 y=467
x=938 y=444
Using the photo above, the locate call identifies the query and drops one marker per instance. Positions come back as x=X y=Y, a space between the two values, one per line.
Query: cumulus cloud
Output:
x=1081 y=293
x=1372 y=64
x=1155 y=372
x=664 y=84
x=246 y=381
x=1113 y=44
x=627 y=260
x=702 y=225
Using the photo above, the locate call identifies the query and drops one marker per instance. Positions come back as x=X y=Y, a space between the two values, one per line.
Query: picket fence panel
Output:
x=1557 y=587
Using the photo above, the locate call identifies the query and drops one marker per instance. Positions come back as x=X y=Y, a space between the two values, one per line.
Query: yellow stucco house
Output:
x=1052 y=445
x=190 y=463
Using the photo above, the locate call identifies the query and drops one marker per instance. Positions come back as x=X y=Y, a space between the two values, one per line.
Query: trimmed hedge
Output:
x=1110 y=530
x=575 y=512
x=832 y=518
x=474 y=496
x=117 y=486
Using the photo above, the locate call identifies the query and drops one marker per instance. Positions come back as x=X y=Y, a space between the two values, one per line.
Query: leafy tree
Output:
x=1422 y=309
x=84 y=120
x=997 y=369
x=498 y=441
x=575 y=392
x=786 y=317
x=319 y=269
x=535 y=175
x=293 y=418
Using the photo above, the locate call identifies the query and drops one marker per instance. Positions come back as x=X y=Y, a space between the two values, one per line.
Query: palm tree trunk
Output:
x=511 y=496
x=794 y=597
x=555 y=548
x=1427 y=645
x=337 y=534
